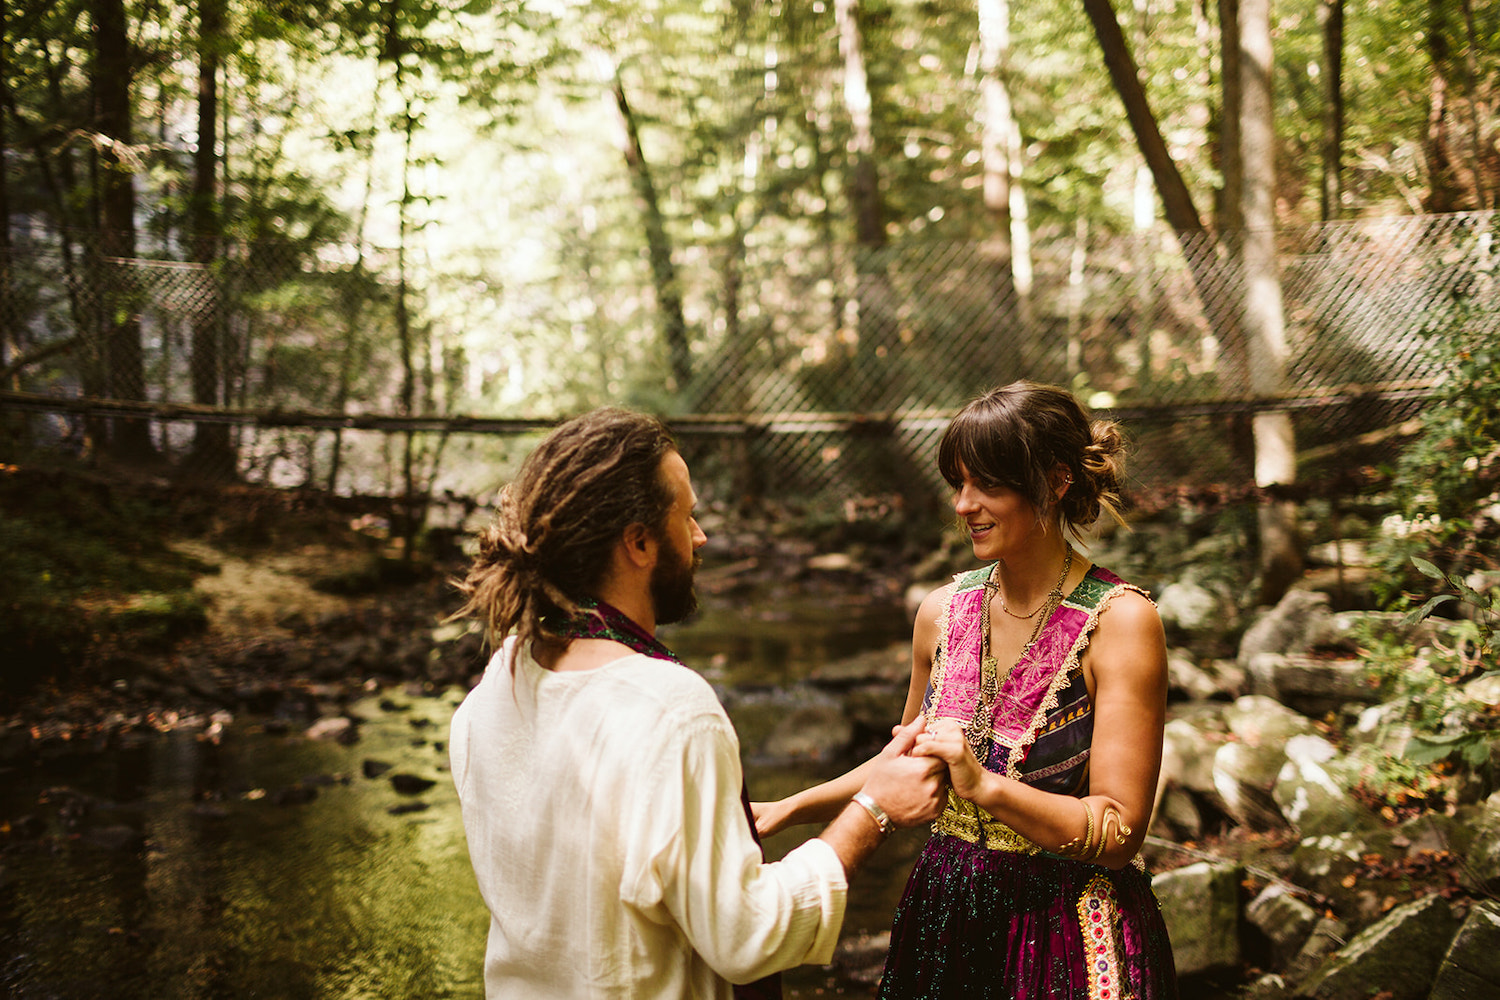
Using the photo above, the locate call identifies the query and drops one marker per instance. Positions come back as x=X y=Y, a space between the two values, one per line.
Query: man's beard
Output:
x=672 y=594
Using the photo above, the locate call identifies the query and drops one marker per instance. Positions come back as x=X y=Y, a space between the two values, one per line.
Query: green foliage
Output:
x=1446 y=490
x=1444 y=727
x=1446 y=485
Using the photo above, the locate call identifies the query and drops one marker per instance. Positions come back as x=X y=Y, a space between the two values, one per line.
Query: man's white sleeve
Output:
x=694 y=861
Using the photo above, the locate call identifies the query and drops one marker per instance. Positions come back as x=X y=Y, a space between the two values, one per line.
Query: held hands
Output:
x=945 y=742
x=910 y=789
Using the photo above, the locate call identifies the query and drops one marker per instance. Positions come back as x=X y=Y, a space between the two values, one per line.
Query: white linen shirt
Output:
x=603 y=815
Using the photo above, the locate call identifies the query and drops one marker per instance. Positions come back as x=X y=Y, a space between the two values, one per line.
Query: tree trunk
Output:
x=1486 y=164
x=878 y=334
x=1123 y=73
x=10 y=339
x=1444 y=192
x=212 y=455
x=658 y=248
x=1234 y=368
x=124 y=360
x=863 y=178
x=1265 y=326
x=1004 y=198
x=1216 y=287
x=1331 y=16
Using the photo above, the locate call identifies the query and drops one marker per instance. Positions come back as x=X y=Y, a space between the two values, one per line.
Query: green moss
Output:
x=76 y=551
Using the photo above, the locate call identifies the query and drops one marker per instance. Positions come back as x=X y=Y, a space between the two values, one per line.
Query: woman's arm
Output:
x=822 y=803
x=1125 y=668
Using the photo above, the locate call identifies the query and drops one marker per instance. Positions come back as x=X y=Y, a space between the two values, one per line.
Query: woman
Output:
x=1043 y=681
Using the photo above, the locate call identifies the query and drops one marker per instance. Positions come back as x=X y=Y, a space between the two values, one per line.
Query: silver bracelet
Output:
x=879 y=815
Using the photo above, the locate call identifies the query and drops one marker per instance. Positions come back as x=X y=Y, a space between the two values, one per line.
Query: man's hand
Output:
x=910 y=789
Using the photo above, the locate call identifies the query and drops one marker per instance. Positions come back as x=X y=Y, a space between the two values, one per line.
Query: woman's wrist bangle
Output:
x=879 y=815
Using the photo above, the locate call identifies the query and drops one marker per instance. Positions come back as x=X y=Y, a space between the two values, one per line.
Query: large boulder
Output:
x=1243 y=776
x=1312 y=685
x=1201 y=906
x=1184 y=675
x=1312 y=789
x=1188 y=745
x=1479 y=838
x=1245 y=769
x=1471 y=968
x=1258 y=721
x=1285 y=921
x=1294 y=625
x=1396 y=957
x=1188 y=606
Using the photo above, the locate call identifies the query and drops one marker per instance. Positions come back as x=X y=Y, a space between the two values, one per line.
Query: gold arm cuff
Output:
x=963 y=819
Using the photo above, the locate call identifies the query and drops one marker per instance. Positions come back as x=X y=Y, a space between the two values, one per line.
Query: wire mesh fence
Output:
x=798 y=371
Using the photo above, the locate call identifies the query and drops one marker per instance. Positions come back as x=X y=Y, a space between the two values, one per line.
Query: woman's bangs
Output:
x=985 y=452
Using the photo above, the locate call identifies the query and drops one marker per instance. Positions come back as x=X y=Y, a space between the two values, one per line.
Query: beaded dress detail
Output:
x=986 y=912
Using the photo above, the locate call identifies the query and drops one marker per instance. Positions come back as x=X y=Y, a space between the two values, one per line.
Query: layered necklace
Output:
x=980 y=727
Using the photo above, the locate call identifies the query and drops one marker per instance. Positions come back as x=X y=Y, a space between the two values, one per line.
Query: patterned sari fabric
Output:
x=987 y=913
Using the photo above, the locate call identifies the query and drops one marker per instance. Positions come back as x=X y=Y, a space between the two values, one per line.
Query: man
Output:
x=600 y=780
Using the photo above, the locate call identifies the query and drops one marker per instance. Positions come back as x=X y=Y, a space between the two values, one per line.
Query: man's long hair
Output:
x=550 y=544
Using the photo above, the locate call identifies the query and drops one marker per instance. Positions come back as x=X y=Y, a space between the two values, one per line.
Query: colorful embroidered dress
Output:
x=987 y=913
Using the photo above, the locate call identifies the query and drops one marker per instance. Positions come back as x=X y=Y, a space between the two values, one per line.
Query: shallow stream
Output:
x=267 y=864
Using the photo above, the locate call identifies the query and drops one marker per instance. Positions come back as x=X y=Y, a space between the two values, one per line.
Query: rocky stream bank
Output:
x=1290 y=863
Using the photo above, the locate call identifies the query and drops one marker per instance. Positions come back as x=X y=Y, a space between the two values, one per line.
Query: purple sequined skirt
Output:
x=975 y=922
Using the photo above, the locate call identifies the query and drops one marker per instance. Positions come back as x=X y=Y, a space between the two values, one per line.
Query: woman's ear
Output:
x=1060 y=479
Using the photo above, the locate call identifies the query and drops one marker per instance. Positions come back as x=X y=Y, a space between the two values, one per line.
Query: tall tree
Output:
x=658 y=244
x=863 y=182
x=120 y=336
x=1331 y=19
x=878 y=326
x=1264 y=317
x=1001 y=151
x=212 y=455
x=1215 y=285
x=9 y=343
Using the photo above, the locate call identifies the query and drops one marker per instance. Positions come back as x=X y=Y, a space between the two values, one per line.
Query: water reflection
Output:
x=265 y=866
x=271 y=865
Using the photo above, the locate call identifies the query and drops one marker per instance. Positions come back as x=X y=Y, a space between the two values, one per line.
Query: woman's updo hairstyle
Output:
x=1016 y=435
x=550 y=543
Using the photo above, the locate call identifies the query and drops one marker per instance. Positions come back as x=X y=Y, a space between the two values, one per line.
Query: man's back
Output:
x=603 y=818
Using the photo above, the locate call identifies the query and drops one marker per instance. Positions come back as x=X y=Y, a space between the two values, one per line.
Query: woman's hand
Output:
x=945 y=741
x=771 y=817
x=909 y=789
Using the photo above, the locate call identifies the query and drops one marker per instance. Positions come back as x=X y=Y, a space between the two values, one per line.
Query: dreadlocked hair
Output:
x=556 y=523
x=1017 y=435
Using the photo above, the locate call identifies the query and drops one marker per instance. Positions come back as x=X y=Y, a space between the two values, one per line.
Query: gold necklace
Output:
x=980 y=728
x=1055 y=593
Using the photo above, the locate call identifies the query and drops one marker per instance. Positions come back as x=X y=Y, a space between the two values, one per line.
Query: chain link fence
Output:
x=798 y=372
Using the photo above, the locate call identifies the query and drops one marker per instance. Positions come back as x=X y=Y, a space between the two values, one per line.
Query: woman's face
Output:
x=1000 y=520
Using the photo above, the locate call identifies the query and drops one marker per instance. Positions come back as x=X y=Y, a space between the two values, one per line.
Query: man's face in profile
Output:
x=672 y=594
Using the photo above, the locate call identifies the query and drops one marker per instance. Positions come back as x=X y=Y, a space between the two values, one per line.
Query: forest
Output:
x=287 y=290
x=410 y=210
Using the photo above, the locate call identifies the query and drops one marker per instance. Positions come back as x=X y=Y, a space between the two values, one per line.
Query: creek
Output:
x=257 y=862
